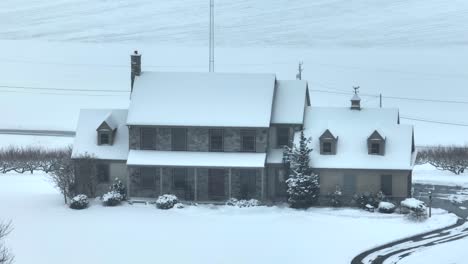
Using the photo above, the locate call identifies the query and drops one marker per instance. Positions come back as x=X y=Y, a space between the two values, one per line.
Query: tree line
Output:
x=448 y=158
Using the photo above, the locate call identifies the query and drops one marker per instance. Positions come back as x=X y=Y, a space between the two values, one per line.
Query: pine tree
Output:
x=303 y=183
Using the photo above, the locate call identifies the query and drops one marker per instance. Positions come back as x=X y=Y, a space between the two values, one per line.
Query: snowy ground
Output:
x=428 y=174
x=451 y=253
x=34 y=141
x=48 y=232
x=241 y=23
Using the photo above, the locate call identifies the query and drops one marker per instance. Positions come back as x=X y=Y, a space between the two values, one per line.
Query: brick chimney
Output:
x=135 y=64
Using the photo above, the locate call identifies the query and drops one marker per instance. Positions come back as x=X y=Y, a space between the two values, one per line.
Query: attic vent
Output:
x=356 y=100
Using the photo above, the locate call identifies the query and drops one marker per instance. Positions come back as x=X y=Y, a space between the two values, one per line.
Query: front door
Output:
x=349 y=187
x=216 y=179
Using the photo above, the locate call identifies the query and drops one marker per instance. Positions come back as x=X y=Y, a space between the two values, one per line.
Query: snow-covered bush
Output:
x=416 y=208
x=243 y=203
x=386 y=207
x=166 y=201
x=335 y=198
x=179 y=205
x=112 y=198
x=303 y=183
x=79 y=202
x=367 y=198
x=119 y=187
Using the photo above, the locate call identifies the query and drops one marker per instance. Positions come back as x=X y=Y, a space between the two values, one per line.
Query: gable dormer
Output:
x=328 y=143
x=376 y=143
x=106 y=131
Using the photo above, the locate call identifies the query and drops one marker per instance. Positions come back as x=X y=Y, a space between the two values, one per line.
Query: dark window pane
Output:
x=216 y=178
x=148 y=138
x=179 y=178
x=248 y=183
x=216 y=140
x=386 y=184
x=248 y=140
x=179 y=139
x=147 y=178
x=103 y=173
x=104 y=138
x=327 y=147
x=282 y=134
x=375 y=148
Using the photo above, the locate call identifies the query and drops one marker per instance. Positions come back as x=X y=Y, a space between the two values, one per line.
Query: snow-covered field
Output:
x=241 y=23
x=45 y=231
x=34 y=141
x=428 y=174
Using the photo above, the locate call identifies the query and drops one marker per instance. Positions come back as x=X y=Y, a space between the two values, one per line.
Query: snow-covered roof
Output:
x=202 y=99
x=195 y=159
x=86 y=135
x=289 y=103
x=109 y=120
x=353 y=128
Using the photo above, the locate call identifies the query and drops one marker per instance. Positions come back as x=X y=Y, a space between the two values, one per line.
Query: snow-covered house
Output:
x=212 y=136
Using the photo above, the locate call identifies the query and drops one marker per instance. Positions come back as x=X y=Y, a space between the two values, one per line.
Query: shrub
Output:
x=79 y=202
x=367 y=198
x=386 y=207
x=416 y=208
x=166 y=201
x=179 y=205
x=112 y=198
x=118 y=187
x=335 y=198
x=243 y=203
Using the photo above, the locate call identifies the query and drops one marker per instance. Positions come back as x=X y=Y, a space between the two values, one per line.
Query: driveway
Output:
x=451 y=198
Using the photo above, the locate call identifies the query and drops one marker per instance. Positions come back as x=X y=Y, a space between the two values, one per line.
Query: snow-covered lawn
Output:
x=451 y=253
x=428 y=174
x=45 y=231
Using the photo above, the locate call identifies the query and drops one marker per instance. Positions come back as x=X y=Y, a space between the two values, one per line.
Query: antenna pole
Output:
x=211 y=62
x=299 y=71
x=380 y=100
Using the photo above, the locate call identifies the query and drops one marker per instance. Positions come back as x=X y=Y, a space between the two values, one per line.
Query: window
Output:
x=148 y=138
x=147 y=178
x=248 y=183
x=103 y=173
x=282 y=136
x=248 y=140
x=375 y=148
x=327 y=147
x=104 y=138
x=216 y=140
x=216 y=179
x=179 y=178
x=179 y=139
x=386 y=184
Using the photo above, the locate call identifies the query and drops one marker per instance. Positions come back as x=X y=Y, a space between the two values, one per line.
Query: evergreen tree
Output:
x=303 y=183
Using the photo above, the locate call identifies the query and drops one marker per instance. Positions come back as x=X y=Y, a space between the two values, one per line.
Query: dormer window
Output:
x=376 y=143
x=328 y=143
x=106 y=131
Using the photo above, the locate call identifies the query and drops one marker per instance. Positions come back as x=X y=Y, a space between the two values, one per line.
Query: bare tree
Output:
x=449 y=158
x=5 y=256
x=63 y=173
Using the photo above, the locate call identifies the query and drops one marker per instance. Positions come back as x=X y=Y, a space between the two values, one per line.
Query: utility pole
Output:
x=211 y=62
x=380 y=100
x=299 y=71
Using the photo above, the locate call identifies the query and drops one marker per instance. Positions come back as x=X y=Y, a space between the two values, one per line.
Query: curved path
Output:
x=393 y=252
